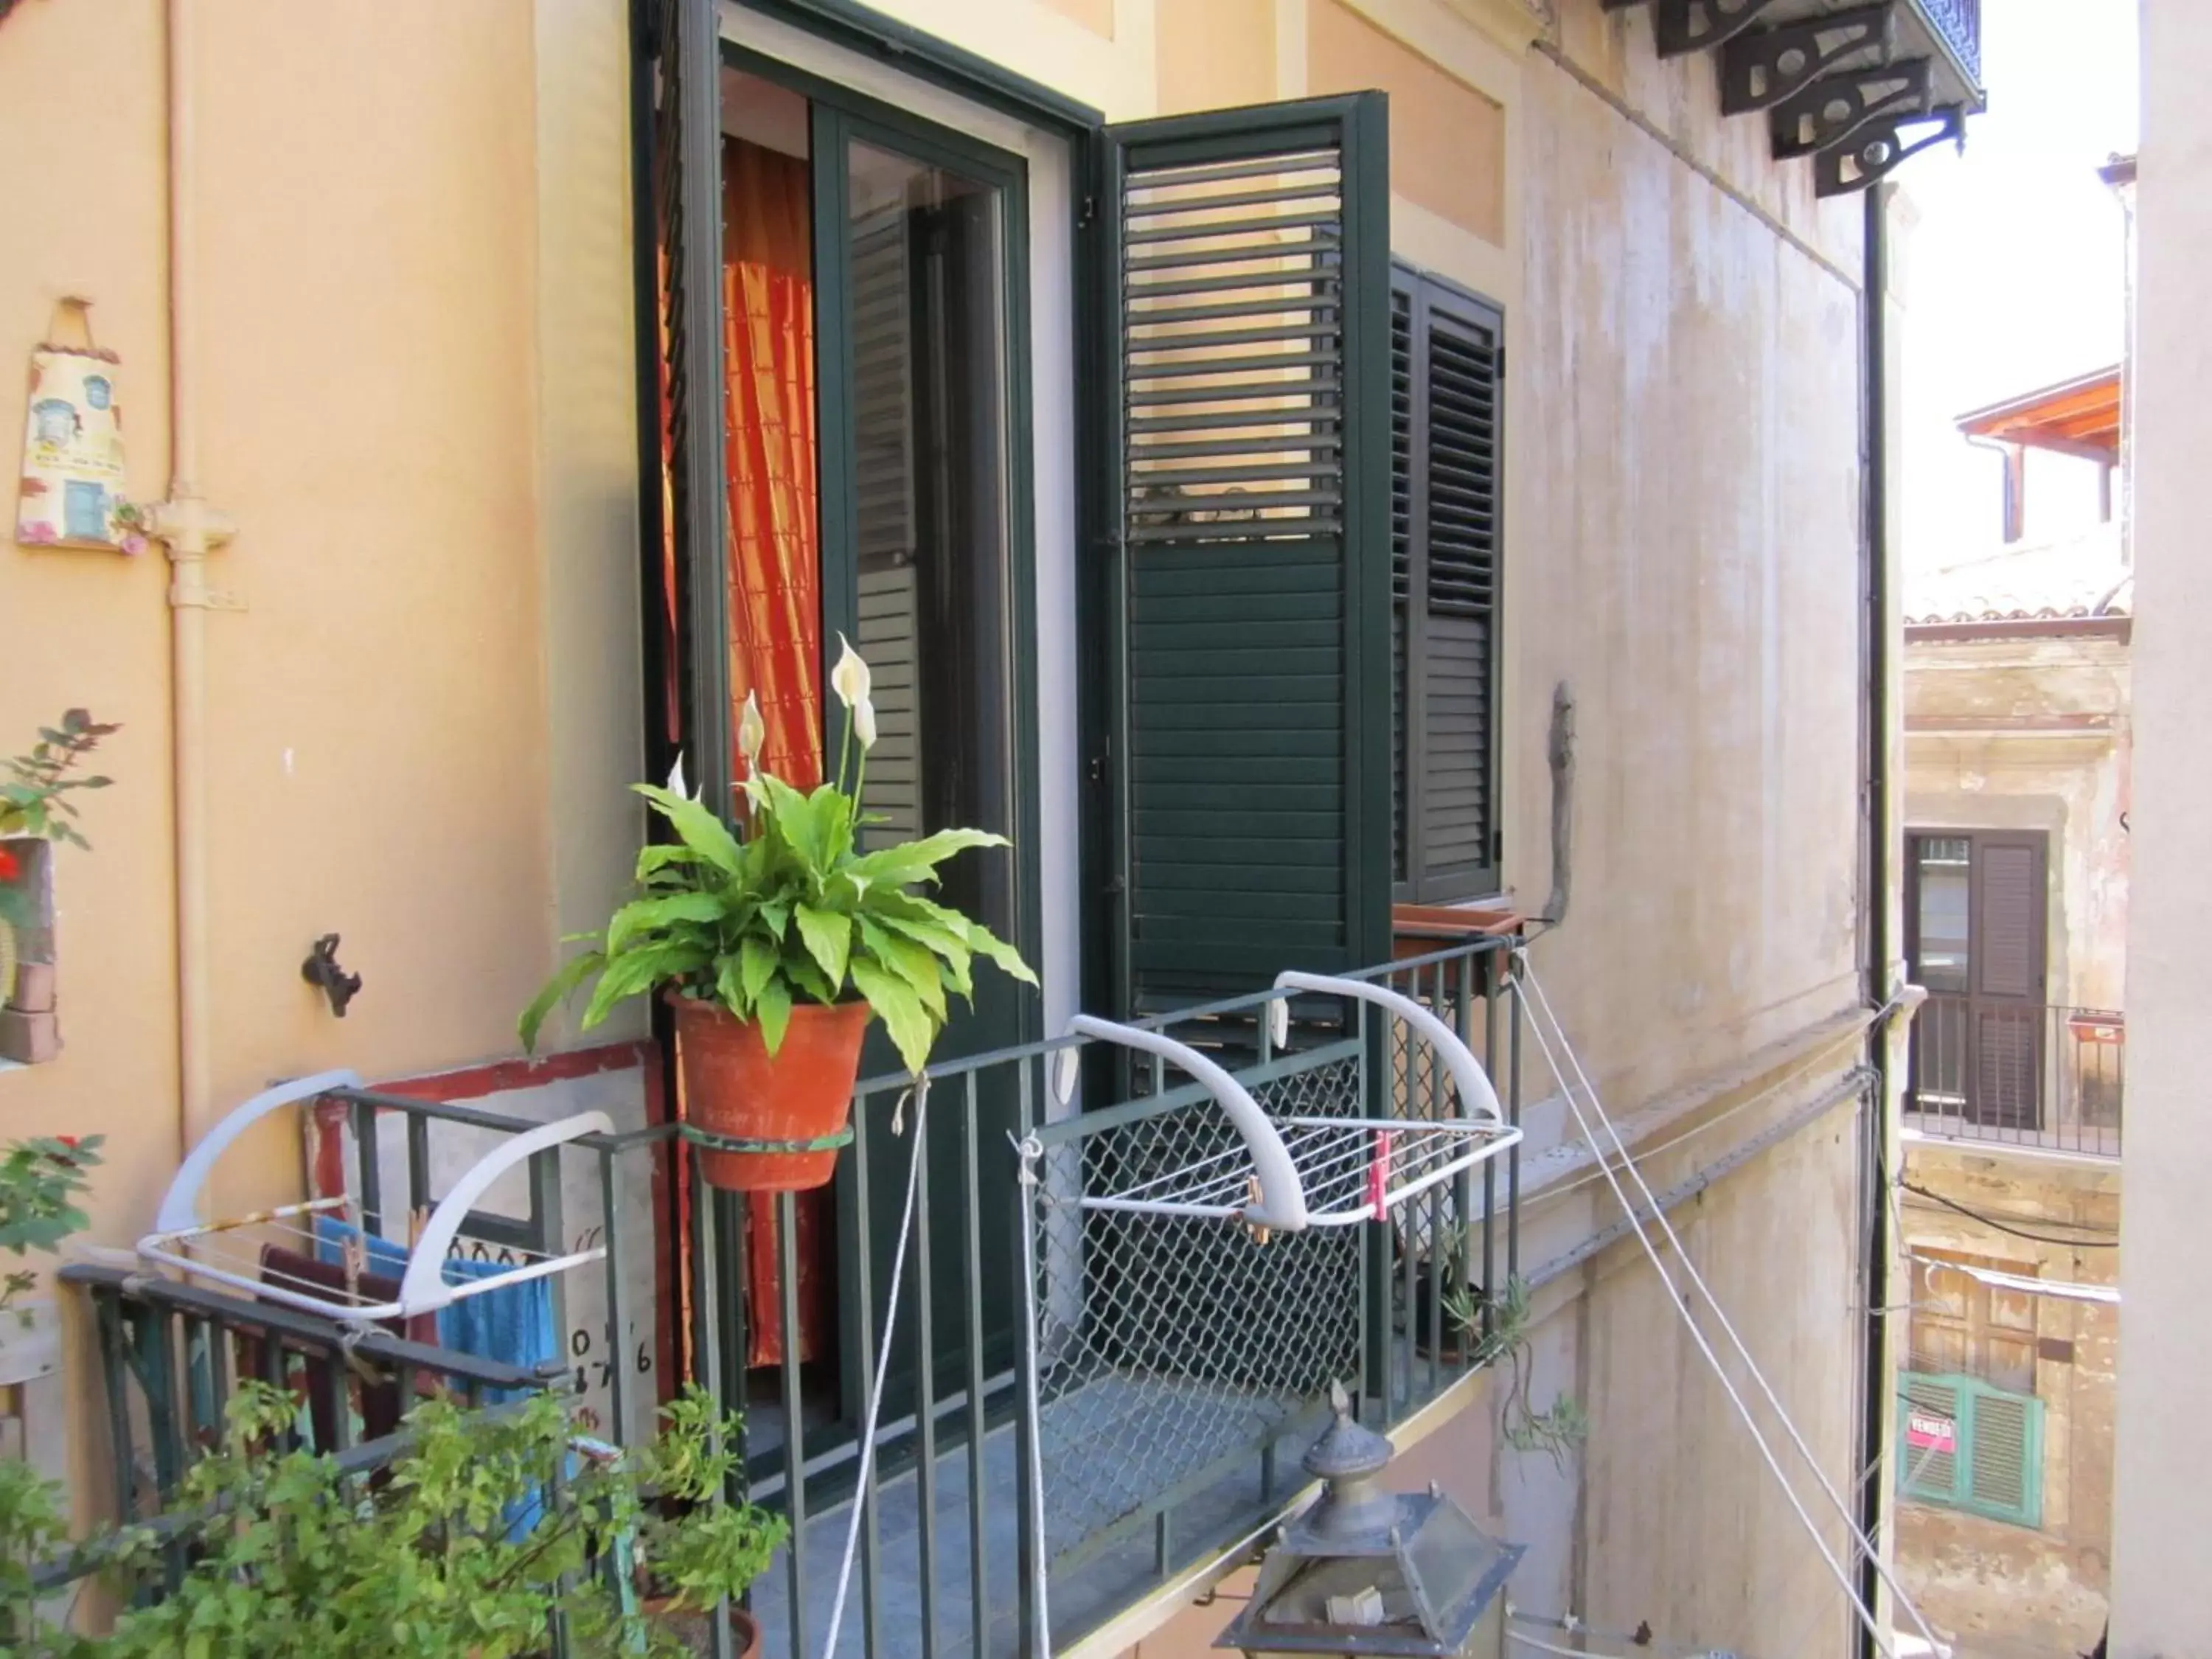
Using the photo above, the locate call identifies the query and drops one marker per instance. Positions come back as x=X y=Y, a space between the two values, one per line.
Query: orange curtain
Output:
x=775 y=579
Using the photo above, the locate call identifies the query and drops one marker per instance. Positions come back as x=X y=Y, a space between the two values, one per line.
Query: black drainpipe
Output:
x=1875 y=909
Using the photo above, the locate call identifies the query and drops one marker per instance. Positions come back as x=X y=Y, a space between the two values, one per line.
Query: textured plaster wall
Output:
x=1982 y=1580
x=2034 y=735
x=414 y=399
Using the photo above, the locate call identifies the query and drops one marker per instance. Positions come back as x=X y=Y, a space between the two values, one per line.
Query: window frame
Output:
x=1425 y=291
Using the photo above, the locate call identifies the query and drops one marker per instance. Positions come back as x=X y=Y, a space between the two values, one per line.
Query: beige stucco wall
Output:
x=2034 y=734
x=422 y=430
x=2163 y=1492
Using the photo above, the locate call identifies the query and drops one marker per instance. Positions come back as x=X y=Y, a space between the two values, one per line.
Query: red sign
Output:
x=1925 y=1431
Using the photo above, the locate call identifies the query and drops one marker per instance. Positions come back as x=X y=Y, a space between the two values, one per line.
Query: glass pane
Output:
x=929 y=397
x=1942 y=872
x=768 y=335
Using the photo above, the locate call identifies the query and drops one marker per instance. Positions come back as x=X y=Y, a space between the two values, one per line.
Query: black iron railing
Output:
x=2027 y=1074
x=1033 y=1338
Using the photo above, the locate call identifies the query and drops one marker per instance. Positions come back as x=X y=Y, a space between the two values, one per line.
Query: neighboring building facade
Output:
x=2018 y=731
x=412 y=264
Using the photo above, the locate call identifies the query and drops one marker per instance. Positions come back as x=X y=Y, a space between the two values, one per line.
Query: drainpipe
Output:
x=190 y=531
x=1875 y=1408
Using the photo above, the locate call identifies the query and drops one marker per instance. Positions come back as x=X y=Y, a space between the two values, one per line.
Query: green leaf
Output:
x=652 y=914
x=759 y=958
x=915 y=963
x=638 y=971
x=912 y=1030
x=800 y=820
x=663 y=856
x=729 y=985
x=1009 y=959
x=950 y=947
x=701 y=830
x=829 y=939
x=773 y=1010
x=917 y=860
x=556 y=991
x=777 y=914
x=798 y=967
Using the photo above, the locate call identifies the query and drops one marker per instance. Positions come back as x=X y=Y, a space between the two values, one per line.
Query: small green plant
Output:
x=34 y=802
x=40 y=1180
x=293 y=1558
x=791 y=909
x=1561 y=1426
x=35 y=798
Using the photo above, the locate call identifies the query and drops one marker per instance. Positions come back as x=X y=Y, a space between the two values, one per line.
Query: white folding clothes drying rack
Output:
x=224 y=1251
x=1285 y=1174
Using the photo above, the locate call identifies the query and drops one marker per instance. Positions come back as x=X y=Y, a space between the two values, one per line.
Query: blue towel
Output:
x=514 y=1326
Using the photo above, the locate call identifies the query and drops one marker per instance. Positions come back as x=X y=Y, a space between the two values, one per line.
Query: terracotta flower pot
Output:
x=732 y=1086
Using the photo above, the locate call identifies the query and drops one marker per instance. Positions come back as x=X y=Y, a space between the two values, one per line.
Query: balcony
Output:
x=2024 y=1075
x=1101 y=1373
x=1857 y=88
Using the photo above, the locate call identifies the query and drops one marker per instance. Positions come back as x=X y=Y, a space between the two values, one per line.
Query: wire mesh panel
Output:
x=1173 y=1352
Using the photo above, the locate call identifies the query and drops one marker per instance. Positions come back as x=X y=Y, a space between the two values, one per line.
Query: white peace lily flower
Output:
x=864 y=723
x=676 y=779
x=849 y=679
x=752 y=733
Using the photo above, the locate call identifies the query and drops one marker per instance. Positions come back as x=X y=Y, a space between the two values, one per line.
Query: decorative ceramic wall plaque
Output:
x=72 y=488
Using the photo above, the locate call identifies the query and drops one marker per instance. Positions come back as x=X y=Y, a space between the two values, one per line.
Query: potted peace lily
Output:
x=777 y=943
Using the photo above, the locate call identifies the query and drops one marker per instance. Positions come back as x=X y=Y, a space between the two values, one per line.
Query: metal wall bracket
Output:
x=1880 y=147
x=1687 y=26
x=1761 y=67
x=1836 y=105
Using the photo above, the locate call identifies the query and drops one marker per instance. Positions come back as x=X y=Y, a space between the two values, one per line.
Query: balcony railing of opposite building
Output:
x=2032 y=1075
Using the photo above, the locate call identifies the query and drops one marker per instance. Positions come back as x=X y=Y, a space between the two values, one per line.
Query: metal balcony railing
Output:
x=1105 y=1392
x=1959 y=23
x=2025 y=1074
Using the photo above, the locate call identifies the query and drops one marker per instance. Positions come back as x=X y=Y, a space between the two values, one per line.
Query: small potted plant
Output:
x=35 y=808
x=777 y=942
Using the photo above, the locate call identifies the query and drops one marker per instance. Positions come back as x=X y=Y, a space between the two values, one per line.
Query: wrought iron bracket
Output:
x=1878 y=148
x=1835 y=106
x=1760 y=68
x=1687 y=26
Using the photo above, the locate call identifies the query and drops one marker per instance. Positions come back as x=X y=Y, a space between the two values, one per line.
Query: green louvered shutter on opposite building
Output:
x=2004 y=1462
x=1250 y=287
x=1996 y=1468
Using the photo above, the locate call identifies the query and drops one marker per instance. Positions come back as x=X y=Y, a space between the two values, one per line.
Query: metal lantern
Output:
x=1365 y=1570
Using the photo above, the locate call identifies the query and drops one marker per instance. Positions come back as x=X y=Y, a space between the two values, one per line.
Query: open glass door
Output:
x=873 y=484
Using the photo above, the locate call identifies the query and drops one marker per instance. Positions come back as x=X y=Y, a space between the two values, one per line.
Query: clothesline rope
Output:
x=1542 y=1006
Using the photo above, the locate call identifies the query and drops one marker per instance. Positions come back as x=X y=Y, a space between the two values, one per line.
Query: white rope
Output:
x=1865 y=1546
x=920 y=1093
x=1631 y=1210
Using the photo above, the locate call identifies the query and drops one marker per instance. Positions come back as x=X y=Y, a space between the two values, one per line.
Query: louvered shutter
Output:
x=2010 y=923
x=1250 y=317
x=687 y=194
x=1931 y=1406
x=1402 y=587
x=1447 y=362
x=2003 y=1477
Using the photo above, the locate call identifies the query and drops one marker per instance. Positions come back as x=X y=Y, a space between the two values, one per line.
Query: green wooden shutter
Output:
x=2003 y=1476
x=1929 y=1476
x=1996 y=1468
x=1249 y=320
x=686 y=186
x=1446 y=499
